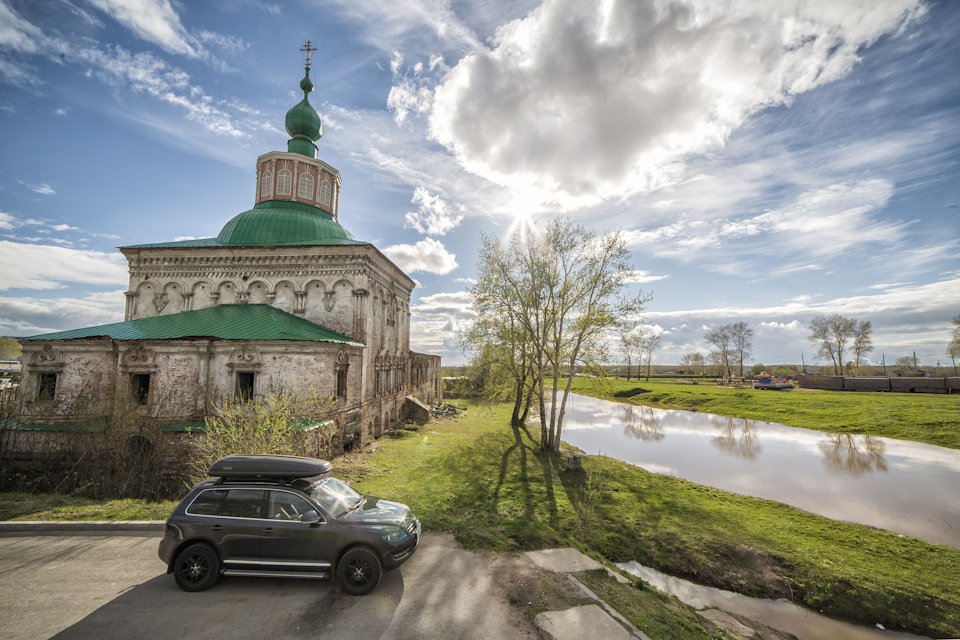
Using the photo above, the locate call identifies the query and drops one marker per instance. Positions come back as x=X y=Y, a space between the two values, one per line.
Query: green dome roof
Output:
x=303 y=123
x=283 y=222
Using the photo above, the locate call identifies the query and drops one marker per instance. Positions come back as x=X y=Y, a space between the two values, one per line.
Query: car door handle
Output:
x=216 y=527
x=267 y=531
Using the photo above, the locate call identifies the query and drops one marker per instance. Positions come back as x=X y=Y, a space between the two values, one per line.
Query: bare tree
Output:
x=862 y=343
x=648 y=344
x=831 y=333
x=628 y=345
x=693 y=362
x=741 y=336
x=722 y=341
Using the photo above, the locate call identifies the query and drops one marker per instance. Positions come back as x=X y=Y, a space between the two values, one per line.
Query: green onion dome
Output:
x=303 y=123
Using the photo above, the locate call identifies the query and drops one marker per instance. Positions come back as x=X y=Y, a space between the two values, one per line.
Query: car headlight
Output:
x=394 y=534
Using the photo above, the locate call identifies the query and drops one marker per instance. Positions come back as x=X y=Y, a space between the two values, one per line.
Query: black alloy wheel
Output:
x=359 y=571
x=196 y=568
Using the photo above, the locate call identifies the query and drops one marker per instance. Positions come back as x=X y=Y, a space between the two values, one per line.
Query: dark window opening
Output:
x=140 y=387
x=245 y=381
x=47 y=387
x=342 y=383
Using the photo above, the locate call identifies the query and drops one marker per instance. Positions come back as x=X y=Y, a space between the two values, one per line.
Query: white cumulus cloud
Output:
x=427 y=255
x=434 y=216
x=579 y=102
x=39 y=266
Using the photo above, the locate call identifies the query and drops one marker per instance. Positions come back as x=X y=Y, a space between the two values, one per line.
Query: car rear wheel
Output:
x=359 y=571
x=196 y=568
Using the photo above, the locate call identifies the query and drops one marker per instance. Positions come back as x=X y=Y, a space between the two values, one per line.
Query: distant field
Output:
x=920 y=417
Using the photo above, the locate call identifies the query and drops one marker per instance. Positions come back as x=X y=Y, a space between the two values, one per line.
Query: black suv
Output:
x=283 y=516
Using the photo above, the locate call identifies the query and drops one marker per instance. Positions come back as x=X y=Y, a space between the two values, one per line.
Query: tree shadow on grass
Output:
x=524 y=446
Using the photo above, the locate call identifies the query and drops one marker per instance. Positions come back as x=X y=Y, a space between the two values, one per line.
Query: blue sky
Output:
x=766 y=161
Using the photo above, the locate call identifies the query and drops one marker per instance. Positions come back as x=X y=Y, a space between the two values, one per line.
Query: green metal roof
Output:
x=272 y=223
x=227 y=322
x=283 y=222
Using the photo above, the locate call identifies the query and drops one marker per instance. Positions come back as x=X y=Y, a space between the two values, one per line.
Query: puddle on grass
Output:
x=906 y=487
x=777 y=614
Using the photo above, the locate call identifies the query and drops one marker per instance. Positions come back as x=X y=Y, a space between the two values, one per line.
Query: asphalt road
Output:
x=115 y=587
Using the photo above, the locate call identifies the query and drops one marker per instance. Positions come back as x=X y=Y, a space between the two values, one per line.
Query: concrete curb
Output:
x=67 y=527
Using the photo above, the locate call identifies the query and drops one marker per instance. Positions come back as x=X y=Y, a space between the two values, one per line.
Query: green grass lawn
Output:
x=921 y=417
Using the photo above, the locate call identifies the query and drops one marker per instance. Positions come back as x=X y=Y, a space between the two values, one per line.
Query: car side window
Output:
x=243 y=503
x=284 y=505
x=207 y=503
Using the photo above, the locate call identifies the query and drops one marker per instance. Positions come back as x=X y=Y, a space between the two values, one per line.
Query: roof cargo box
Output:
x=267 y=466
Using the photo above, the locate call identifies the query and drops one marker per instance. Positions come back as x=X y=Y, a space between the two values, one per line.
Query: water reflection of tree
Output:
x=641 y=422
x=736 y=437
x=854 y=454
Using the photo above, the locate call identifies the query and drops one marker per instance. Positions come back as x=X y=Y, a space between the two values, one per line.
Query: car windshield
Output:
x=334 y=496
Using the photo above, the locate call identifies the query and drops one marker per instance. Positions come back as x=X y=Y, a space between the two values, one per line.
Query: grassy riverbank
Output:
x=921 y=417
x=486 y=482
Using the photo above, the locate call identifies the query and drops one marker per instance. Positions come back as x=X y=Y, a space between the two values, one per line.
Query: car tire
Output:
x=197 y=567
x=359 y=571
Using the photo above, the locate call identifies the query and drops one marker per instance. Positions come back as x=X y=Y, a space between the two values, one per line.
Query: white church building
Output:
x=284 y=298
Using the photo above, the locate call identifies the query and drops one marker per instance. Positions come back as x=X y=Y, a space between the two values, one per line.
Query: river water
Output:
x=906 y=487
x=778 y=614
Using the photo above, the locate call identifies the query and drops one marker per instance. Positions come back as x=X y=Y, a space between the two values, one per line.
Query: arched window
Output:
x=305 y=186
x=325 y=193
x=266 y=184
x=284 y=182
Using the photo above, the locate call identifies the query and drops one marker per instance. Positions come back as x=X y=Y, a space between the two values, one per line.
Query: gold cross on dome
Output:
x=308 y=49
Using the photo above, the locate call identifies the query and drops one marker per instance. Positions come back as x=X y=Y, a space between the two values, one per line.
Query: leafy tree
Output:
x=862 y=343
x=723 y=347
x=831 y=333
x=9 y=349
x=953 y=347
x=498 y=341
x=564 y=289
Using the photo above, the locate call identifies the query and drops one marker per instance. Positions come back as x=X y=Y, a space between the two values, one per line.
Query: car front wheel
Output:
x=359 y=571
x=196 y=568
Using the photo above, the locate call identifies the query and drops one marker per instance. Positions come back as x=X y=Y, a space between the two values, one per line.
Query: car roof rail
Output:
x=266 y=481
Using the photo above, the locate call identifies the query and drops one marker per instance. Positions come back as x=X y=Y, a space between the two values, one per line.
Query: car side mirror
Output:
x=310 y=517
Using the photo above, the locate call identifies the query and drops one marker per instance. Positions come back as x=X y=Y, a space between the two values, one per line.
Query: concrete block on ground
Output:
x=589 y=622
x=567 y=560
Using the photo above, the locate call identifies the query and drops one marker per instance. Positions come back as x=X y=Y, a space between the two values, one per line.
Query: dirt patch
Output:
x=533 y=590
x=748 y=571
